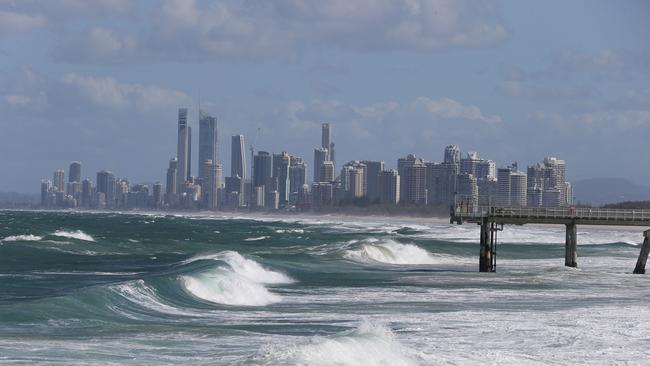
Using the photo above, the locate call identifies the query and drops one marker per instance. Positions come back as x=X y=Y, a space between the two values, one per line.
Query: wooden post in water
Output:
x=485 y=255
x=643 y=255
x=571 y=255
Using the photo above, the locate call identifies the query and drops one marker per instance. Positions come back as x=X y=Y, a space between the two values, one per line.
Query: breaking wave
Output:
x=240 y=282
x=28 y=237
x=389 y=252
x=256 y=238
x=79 y=235
x=367 y=345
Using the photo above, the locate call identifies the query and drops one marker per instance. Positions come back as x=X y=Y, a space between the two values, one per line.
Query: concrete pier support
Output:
x=643 y=255
x=485 y=255
x=571 y=254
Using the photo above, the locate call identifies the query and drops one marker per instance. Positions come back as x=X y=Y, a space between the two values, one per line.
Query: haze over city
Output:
x=103 y=83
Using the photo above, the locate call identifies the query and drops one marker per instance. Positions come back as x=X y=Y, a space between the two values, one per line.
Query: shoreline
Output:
x=321 y=217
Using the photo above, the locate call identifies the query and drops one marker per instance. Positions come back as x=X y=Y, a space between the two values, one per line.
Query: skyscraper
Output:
x=86 y=193
x=74 y=174
x=106 y=186
x=372 y=178
x=452 y=154
x=262 y=169
x=208 y=142
x=281 y=163
x=238 y=157
x=210 y=187
x=297 y=175
x=320 y=155
x=412 y=173
x=518 y=189
x=503 y=186
x=183 y=150
x=389 y=187
x=326 y=137
x=171 y=187
x=58 y=181
x=46 y=188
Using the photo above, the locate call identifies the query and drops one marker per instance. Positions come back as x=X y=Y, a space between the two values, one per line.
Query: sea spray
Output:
x=389 y=252
x=79 y=235
x=369 y=344
x=240 y=282
x=26 y=237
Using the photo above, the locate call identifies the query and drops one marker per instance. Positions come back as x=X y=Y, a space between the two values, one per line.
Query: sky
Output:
x=101 y=82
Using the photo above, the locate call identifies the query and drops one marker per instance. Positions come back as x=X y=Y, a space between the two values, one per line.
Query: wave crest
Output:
x=79 y=235
x=389 y=252
x=240 y=282
x=27 y=237
x=367 y=345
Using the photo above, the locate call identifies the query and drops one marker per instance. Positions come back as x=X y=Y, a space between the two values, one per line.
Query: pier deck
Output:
x=493 y=218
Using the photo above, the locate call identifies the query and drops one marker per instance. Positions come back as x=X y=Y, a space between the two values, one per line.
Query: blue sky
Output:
x=100 y=81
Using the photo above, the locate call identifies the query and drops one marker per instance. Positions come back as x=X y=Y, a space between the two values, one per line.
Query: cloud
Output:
x=189 y=31
x=19 y=22
x=108 y=92
x=450 y=109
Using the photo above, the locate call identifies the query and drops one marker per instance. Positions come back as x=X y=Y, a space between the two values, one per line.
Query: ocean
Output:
x=150 y=289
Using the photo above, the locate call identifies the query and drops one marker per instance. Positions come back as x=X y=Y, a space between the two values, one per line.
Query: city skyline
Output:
x=102 y=84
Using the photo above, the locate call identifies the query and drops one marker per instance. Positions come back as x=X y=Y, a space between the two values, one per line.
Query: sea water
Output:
x=118 y=288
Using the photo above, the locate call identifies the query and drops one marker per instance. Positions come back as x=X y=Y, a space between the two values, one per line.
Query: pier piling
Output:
x=643 y=255
x=571 y=255
x=485 y=255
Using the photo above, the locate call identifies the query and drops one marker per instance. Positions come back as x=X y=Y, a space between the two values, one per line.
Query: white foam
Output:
x=79 y=235
x=389 y=252
x=138 y=292
x=28 y=237
x=241 y=282
x=367 y=345
x=256 y=238
x=283 y=231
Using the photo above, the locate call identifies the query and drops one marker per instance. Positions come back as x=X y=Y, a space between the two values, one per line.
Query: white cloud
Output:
x=17 y=100
x=446 y=108
x=108 y=92
x=20 y=22
x=185 y=30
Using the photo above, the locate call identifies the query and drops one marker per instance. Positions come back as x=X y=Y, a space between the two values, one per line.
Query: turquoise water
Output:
x=104 y=288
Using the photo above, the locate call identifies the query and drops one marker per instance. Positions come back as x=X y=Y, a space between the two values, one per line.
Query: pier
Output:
x=492 y=220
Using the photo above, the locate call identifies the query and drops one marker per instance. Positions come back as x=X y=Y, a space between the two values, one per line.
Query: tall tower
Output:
x=320 y=156
x=74 y=174
x=326 y=137
x=238 y=157
x=58 y=179
x=208 y=142
x=183 y=149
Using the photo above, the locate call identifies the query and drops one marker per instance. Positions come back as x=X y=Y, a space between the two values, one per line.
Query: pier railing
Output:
x=552 y=213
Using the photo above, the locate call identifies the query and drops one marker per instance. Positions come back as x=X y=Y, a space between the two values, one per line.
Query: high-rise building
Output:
x=467 y=198
x=320 y=155
x=262 y=170
x=171 y=187
x=388 y=186
x=326 y=136
x=373 y=169
x=58 y=181
x=238 y=157
x=74 y=174
x=327 y=171
x=353 y=180
x=157 y=195
x=281 y=164
x=503 y=186
x=412 y=173
x=452 y=154
x=184 y=148
x=106 y=185
x=208 y=142
x=548 y=175
x=322 y=195
x=297 y=176
x=87 y=193
x=46 y=189
x=441 y=182
x=210 y=187
x=518 y=190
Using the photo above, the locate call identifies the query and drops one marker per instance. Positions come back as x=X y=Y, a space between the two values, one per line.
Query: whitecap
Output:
x=256 y=238
x=369 y=344
x=389 y=252
x=27 y=237
x=240 y=282
x=79 y=235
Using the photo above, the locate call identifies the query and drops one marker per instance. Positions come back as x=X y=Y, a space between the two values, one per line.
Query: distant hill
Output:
x=600 y=191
